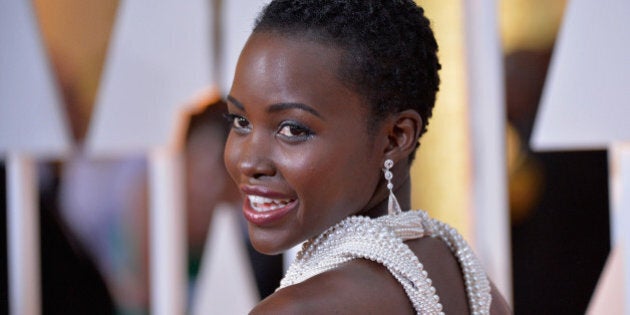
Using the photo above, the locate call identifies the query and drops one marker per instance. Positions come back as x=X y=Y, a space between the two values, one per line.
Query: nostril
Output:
x=257 y=168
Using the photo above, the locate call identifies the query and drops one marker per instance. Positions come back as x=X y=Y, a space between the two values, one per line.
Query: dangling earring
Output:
x=392 y=206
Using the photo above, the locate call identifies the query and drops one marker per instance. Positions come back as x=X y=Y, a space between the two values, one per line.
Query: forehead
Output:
x=282 y=68
x=279 y=54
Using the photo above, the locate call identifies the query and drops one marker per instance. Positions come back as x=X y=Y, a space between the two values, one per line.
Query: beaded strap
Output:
x=381 y=240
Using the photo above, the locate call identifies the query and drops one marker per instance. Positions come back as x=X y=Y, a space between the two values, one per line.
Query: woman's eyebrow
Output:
x=278 y=107
x=284 y=106
x=235 y=102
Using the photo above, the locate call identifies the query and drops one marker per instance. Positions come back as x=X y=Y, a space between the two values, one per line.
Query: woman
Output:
x=327 y=105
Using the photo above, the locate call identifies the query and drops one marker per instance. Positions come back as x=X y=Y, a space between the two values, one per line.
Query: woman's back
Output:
x=361 y=286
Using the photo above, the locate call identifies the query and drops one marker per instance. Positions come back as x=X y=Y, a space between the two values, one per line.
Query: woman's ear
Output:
x=403 y=133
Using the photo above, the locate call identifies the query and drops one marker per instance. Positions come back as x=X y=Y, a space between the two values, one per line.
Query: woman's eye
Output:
x=237 y=122
x=294 y=131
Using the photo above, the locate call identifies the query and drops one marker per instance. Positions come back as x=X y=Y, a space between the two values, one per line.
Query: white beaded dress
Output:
x=381 y=240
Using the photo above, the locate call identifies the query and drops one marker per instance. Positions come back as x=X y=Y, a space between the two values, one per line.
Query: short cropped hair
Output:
x=390 y=52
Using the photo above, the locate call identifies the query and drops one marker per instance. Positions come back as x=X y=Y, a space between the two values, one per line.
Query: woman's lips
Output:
x=263 y=211
x=263 y=206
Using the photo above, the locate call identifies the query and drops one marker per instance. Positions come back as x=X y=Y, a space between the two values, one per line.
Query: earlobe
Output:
x=403 y=132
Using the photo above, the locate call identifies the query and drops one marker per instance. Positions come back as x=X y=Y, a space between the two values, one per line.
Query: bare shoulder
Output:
x=444 y=270
x=446 y=274
x=357 y=287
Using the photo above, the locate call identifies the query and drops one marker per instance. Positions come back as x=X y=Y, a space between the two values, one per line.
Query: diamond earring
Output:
x=392 y=206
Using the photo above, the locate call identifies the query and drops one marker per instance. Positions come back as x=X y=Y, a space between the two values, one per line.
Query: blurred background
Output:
x=93 y=211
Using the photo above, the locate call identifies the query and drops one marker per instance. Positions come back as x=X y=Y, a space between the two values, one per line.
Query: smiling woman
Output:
x=299 y=141
x=328 y=97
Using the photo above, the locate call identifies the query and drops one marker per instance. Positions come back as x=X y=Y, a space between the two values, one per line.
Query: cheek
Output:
x=230 y=157
x=300 y=167
x=331 y=177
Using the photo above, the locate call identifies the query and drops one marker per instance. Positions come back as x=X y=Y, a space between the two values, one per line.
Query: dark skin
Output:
x=300 y=138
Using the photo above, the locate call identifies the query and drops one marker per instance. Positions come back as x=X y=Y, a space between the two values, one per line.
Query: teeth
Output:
x=262 y=204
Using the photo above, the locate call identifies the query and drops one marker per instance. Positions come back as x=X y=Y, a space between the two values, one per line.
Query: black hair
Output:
x=390 y=52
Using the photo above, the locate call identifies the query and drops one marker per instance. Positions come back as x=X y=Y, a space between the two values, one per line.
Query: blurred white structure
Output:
x=220 y=289
x=160 y=56
x=486 y=112
x=586 y=100
x=586 y=105
x=30 y=106
x=32 y=126
x=237 y=23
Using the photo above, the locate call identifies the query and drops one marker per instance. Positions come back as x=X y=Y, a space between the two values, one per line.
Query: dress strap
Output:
x=381 y=240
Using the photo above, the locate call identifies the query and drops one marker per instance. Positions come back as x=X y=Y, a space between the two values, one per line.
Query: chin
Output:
x=267 y=242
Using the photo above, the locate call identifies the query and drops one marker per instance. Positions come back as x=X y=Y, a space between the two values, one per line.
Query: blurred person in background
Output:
x=105 y=202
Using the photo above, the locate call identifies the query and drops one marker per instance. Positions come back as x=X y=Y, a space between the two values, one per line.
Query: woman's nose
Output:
x=255 y=160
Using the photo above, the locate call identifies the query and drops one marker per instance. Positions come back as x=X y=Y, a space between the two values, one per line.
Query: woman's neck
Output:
x=403 y=194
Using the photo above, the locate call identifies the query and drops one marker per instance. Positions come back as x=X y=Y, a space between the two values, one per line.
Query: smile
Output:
x=263 y=204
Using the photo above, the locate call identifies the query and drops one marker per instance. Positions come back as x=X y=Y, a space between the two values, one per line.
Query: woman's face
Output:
x=298 y=148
